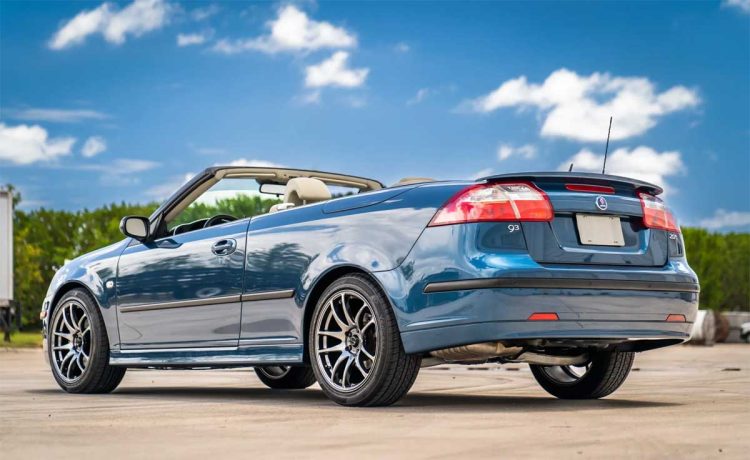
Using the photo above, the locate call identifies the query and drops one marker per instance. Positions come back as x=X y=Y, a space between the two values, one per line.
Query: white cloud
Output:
x=55 y=115
x=334 y=72
x=128 y=166
x=113 y=24
x=201 y=14
x=246 y=162
x=210 y=150
x=310 y=98
x=723 y=219
x=642 y=163
x=422 y=94
x=578 y=107
x=402 y=47
x=505 y=151
x=121 y=166
x=742 y=5
x=93 y=146
x=292 y=31
x=26 y=144
x=194 y=39
x=120 y=172
x=355 y=102
x=481 y=173
x=165 y=189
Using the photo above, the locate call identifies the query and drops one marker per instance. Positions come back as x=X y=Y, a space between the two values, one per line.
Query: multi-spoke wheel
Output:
x=78 y=348
x=355 y=348
x=286 y=377
x=347 y=340
x=71 y=341
x=598 y=378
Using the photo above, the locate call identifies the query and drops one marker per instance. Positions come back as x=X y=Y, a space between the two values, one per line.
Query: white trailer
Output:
x=6 y=246
x=7 y=306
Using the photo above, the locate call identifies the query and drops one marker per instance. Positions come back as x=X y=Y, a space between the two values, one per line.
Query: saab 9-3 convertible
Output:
x=309 y=276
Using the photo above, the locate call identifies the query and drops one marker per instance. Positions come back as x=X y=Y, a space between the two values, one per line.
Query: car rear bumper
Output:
x=626 y=311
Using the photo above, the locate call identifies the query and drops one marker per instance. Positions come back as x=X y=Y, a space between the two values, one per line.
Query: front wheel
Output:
x=598 y=378
x=78 y=346
x=355 y=346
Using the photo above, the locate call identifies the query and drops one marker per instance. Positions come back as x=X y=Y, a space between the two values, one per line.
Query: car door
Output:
x=183 y=290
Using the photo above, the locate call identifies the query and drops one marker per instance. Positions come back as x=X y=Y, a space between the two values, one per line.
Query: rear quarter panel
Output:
x=294 y=249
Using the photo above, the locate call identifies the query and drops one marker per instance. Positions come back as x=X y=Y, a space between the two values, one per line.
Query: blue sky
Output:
x=103 y=102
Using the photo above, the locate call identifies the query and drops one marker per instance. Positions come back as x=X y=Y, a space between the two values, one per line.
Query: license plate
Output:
x=599 y=230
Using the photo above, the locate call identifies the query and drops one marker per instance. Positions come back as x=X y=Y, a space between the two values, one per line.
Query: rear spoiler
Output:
x=579 y=177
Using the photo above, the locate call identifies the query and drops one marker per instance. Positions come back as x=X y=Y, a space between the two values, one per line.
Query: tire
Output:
x=83 y=340
x=604 y=374
x=286 y=377
x=359 y=360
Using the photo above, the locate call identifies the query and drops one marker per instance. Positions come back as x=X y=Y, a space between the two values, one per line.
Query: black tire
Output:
x=392 y=372
x=97 y=376
x=606 y=372
x=286 y=377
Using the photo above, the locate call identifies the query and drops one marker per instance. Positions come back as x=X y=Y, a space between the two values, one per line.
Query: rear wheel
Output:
x=355 y=346
x=78 y=346
x=598 y=378
x=286 y=377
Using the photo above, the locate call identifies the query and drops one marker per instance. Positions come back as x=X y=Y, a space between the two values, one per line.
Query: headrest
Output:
x=306 y=190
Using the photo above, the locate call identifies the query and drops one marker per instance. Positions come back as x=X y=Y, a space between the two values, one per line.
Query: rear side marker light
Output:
x=676 y=318
x=496 y=202
x=543 y=317
x=590 y=188
x=656 y=215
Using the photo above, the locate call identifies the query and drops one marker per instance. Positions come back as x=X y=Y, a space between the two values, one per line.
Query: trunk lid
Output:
x=561 y=241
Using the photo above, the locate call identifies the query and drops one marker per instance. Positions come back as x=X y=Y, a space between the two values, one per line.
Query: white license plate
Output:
x=599 y=230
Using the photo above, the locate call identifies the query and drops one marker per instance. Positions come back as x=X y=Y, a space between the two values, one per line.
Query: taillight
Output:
x=656 y=215
x=518 y=201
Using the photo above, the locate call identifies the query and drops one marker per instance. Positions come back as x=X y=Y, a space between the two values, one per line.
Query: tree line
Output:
x=45 y=239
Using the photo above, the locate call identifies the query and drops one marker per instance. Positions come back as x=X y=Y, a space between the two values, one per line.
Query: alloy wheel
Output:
x=71 y=341
x=346 y=340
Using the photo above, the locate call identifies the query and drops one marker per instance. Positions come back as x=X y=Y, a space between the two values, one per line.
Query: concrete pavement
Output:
x=680 y=402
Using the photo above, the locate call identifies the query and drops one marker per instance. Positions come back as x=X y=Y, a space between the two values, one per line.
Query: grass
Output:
x=22 y=339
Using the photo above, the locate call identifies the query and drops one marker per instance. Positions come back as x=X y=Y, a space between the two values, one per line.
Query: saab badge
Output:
x=601 y=203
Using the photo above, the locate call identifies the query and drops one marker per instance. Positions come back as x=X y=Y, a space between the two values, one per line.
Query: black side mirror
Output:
x=136 y=227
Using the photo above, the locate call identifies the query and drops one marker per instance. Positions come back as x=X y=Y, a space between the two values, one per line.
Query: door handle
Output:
x=224 y=247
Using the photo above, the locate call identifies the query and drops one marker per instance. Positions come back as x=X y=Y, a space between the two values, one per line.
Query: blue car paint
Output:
x=429 y=321
x=296 y=248
x=383 y=233
x=180 y=268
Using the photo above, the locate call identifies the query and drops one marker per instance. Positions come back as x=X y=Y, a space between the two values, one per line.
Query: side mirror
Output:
x=135 y=227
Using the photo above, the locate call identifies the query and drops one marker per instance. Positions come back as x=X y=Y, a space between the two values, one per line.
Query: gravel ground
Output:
x=680 y=402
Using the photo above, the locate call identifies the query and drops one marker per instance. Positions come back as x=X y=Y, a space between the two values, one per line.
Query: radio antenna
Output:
x=606 y=149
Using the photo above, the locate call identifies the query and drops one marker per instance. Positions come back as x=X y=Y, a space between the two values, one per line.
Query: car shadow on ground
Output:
x=454 y=402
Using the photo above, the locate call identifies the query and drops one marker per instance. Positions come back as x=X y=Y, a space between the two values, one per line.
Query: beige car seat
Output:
x=301 y=191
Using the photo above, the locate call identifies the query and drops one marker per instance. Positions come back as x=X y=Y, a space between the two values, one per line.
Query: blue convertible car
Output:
x=310 y=276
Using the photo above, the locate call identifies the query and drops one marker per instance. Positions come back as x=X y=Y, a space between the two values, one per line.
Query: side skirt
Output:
x=248 y=355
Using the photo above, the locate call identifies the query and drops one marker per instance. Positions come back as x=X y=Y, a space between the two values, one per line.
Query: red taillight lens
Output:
x=590 y=188
x=518 y=201
x=675 y=318
x=656 y=214
x=544 y=317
